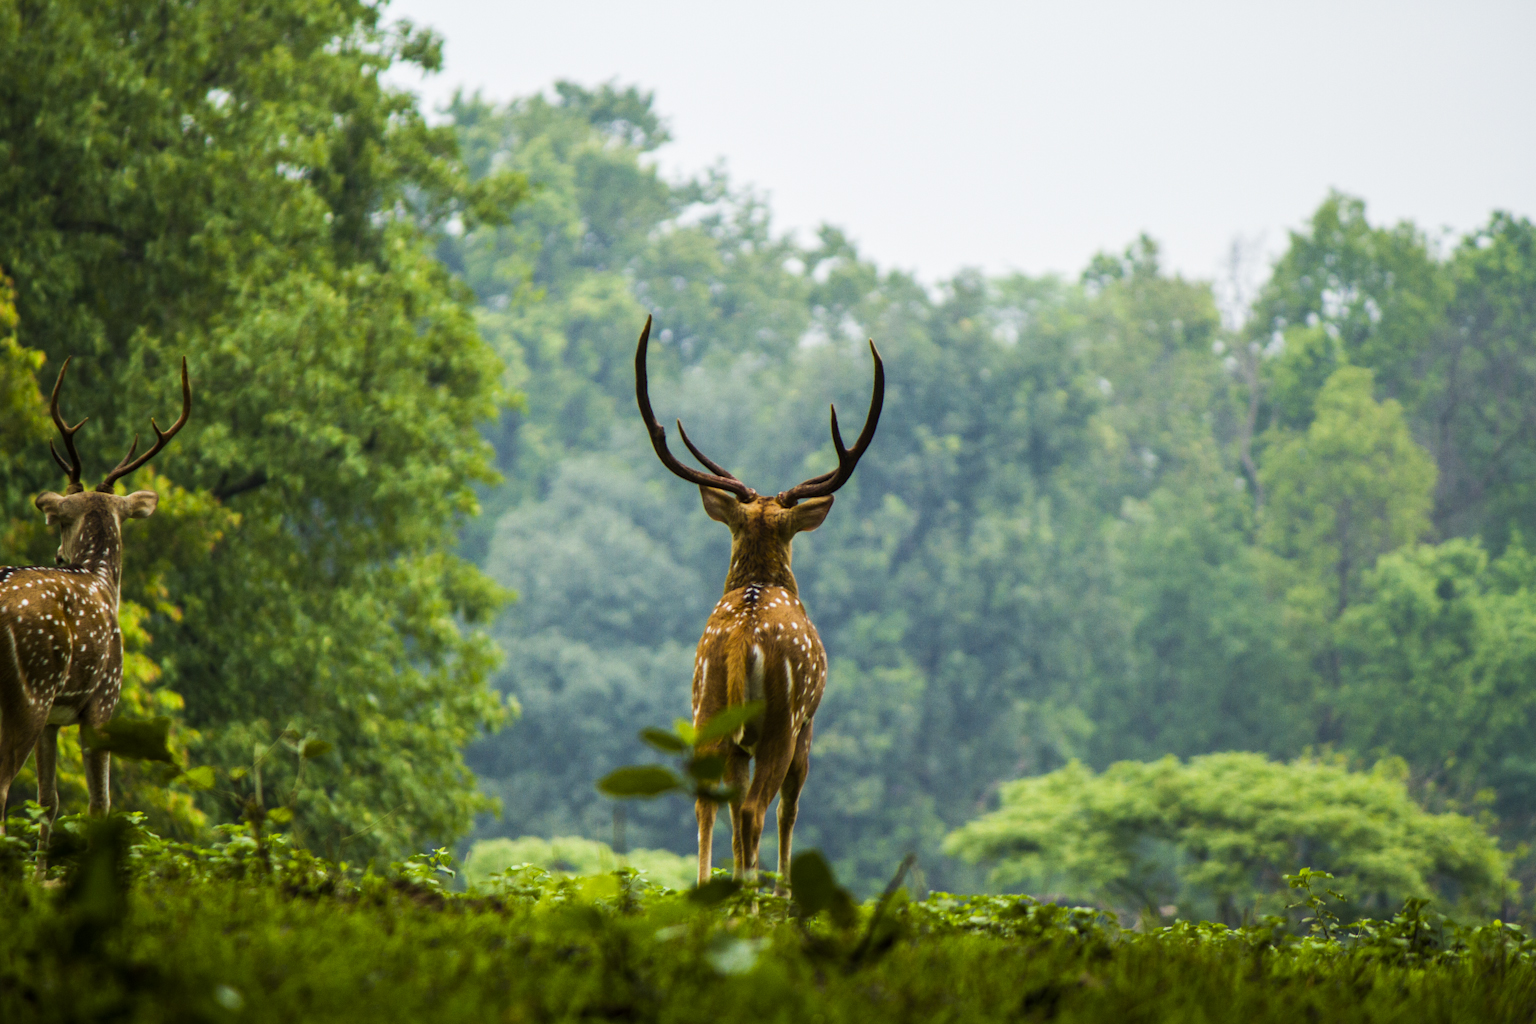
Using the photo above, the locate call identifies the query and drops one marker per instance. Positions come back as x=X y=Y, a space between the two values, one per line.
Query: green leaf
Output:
x=729 y=720
x=707 y=767
x=644 y=781
x=814 y=889
x=141 y=739
x=666 y=742
x=198 y=778
x=684 y=728
x=280 y=815
x=313 y=748
x=716 y=890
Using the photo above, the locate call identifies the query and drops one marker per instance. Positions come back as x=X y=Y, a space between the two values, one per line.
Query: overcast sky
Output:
x=1029 y=136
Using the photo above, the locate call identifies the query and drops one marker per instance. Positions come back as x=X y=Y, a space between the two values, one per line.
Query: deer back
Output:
x=759 y=645
x=61 y=651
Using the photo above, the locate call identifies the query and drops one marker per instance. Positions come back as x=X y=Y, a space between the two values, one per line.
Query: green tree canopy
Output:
x=1215 y=834
x=236 y=184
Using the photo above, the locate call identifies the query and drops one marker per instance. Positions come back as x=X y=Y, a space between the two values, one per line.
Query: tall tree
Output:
x=238 y=185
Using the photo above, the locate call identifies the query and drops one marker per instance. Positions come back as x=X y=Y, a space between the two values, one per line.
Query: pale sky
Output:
x=1027 y=136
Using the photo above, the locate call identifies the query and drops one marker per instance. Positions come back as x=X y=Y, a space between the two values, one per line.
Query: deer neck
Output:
x=98 y=549
x=759 y=559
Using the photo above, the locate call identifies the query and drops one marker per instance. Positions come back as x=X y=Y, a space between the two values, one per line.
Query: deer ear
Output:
x=141 y=504
x=722 y=506
x=808 y=514
x=48 y=503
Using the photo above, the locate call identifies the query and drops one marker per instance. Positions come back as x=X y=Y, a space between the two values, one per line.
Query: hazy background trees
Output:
x=1054 y=551
x=1100 y=521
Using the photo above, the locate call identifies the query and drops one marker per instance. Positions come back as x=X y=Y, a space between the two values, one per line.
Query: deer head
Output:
x=90 y=522
x=762 y=527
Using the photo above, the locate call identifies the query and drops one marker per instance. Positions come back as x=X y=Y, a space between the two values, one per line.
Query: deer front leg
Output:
x=47 y=790
x=705 y=811
x=20 y=728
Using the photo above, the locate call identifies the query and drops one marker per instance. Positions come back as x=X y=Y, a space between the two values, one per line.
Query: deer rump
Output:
x=760 y=646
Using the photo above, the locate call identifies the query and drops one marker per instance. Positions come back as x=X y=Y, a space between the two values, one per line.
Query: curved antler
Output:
x=817 y=486
x=720 y=478
x=125 y=467
x=72 y=468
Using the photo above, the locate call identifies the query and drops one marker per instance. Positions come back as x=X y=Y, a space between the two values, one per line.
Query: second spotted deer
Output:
x=759 y=644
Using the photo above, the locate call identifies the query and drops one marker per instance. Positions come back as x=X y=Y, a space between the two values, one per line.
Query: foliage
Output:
x=238 y=185
x=572 y=855
x=1213 y=835
x=1096 y=523
x=254 y=929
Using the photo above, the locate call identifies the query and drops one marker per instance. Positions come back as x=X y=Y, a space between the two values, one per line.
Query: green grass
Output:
x=253 y=930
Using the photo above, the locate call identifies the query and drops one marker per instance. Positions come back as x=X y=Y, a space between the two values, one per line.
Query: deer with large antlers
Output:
x=759 y=644
x=61 y=652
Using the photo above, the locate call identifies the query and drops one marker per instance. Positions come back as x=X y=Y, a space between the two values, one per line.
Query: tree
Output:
x=237 y=185
x=1477 y=416
x=1214 y=835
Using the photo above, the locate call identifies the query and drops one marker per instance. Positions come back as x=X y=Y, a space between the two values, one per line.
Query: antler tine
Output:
x=162 y=437
x=709 y=463
x=847 y=459
x=658 y=433
x=72 y=468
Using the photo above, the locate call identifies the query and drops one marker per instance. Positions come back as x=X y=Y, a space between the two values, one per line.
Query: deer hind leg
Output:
x=789 y=805
x=738 y=766
x=47 y=790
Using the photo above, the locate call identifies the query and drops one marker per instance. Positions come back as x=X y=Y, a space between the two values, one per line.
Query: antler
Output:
x=161 y=437
x=817 y=486
x=72 y=468
x=720 y=477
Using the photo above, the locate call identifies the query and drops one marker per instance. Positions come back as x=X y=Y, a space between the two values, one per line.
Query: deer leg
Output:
x=98 y=774
x=789 y=805
x=47 y=790
x=737 y=766
x=19 y=736
x=705 y=811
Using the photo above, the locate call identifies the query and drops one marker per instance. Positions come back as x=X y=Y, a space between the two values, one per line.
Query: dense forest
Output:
x=1106 y=517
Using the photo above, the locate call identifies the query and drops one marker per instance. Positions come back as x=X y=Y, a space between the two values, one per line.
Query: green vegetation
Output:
x=1111 y=532
x=235 y=184
x=572 y=855
x=1103 y=520
x=1212 y=839
x=253 y=929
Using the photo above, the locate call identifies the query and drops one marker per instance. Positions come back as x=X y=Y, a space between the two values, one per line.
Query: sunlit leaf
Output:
x=198 y=778
x=729 y=720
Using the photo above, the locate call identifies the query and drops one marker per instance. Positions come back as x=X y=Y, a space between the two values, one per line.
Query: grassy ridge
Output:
x=142 y=930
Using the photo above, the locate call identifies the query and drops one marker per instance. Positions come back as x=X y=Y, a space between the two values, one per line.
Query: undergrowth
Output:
x=131 y=927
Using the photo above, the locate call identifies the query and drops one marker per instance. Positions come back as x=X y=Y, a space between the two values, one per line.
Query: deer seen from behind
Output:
x=61 y=651
x=759 y=644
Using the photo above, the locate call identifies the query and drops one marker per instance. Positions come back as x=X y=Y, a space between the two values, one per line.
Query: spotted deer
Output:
x=759 y=644
x=61 y=652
